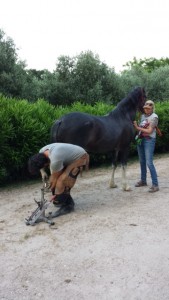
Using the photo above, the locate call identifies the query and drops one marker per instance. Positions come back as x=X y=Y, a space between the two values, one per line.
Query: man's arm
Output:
x=53 y=179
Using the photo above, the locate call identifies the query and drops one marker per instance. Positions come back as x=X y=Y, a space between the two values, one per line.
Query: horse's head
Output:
x=133 y=102
x=140 y=95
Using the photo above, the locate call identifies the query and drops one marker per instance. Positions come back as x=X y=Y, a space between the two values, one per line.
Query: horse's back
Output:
x=72 y=128
x=97 y=134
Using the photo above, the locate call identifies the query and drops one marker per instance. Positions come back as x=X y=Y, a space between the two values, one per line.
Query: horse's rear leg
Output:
x=125 y=185
x=112 y=183
x=114 y=166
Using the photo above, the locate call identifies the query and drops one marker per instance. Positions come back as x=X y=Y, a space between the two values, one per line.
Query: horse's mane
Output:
x=132 y=99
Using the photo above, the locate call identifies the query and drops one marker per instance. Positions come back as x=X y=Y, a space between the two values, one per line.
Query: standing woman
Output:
x=147 y=134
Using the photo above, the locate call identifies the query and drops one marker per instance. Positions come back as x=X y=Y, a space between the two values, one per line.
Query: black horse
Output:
x=102 y=134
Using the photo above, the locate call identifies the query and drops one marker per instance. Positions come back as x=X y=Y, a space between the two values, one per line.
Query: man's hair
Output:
x=37 y=162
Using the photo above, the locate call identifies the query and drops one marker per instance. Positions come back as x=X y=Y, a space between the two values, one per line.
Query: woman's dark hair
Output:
x=37 y=162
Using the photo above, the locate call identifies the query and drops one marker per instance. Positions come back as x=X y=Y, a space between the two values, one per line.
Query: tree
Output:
x=158 y=84
x=8 y=56
x=85 y=78
x=136 y=76
x=149 y=64
x=12 y=73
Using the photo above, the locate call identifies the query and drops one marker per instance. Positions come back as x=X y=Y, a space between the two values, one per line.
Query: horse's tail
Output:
x=55 y=132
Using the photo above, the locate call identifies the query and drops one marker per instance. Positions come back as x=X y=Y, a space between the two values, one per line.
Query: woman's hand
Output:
x=135 y=124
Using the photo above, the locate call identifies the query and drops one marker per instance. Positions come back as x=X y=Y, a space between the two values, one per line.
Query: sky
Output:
x=115 y=30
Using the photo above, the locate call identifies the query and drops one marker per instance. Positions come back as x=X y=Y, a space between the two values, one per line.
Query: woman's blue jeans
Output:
x=146 y=153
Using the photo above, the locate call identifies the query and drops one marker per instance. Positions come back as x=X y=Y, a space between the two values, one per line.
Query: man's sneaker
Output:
x=140 y=183
x=154 y=189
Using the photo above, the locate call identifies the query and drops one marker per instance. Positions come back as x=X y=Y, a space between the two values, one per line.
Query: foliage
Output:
x=84 y=78
x=149 y=64
x=8 y=55
x=12 y=74
x=99 y=109
x=91 y=79
x=25 y=128
x=81 y=78
x=137 y=76
x=162 y=110
x=158 y=84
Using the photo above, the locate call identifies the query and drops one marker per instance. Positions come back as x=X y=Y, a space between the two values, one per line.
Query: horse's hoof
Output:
x=127 y=189
x=66 y=204
x=57 y=204
x=113 y=186
x=63 y=210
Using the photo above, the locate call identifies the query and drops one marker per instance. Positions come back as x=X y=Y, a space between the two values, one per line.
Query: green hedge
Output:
x=25 y=128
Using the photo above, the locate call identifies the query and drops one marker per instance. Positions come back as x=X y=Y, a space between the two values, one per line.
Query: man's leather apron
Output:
x=70 y=173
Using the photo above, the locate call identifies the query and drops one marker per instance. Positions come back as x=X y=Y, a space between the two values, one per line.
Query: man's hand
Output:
x=44 y=175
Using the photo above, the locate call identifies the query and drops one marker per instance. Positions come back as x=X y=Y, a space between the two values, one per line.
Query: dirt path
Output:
x=114 y=246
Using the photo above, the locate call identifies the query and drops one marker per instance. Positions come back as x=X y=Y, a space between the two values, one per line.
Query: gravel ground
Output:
x=114 y=246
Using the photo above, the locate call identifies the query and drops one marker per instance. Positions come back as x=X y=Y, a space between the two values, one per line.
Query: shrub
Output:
x=25 y=128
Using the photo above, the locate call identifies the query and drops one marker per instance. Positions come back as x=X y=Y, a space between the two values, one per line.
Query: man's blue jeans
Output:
x=145 y=153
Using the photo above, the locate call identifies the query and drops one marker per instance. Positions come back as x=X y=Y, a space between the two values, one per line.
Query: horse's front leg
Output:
x=125 y=185
x=112 y=183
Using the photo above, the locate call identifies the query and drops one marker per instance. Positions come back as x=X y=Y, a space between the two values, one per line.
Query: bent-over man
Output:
x=65 y=162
